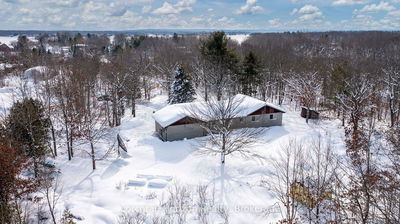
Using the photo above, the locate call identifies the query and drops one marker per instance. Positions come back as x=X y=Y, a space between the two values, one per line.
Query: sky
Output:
x=268 y=15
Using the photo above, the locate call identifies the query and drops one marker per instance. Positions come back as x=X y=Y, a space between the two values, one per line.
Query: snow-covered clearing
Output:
x=10 y=39
x=142 y=176
x=240 y=38
x=11 y=90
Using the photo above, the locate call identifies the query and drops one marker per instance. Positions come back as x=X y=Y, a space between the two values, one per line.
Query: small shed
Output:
x=313 y=114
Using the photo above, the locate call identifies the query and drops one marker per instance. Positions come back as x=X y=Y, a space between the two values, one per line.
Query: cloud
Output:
x=146 y=9
x=249 y=8
x=17 y=1
x=198 y=19
x=66 y=3
x=368 y=22
x=350 y=2
x=395 y=14
x=308 y=13
x=141 y=14
x=382 y=6
x=213 y=22
x=179 y=7
x=303 y=1
x=224 y=19
x=275 y=23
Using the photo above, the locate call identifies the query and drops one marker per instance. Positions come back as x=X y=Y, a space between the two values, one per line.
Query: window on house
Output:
x=253 y=118
x=241 y=119
x=271 y=116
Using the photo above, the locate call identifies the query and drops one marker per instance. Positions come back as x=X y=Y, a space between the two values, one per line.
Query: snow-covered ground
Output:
x=10 y=39
x=150 y=164
x=240 y=38
x=3 y=66
x=11 y=90
x=141 y=177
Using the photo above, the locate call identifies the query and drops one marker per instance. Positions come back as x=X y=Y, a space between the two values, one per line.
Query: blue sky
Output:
x=270 y=15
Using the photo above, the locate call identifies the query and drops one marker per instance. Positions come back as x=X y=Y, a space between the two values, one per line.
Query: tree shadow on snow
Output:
x=169 y=152
x=225 y=183
x=273 y=133
x=113 y=168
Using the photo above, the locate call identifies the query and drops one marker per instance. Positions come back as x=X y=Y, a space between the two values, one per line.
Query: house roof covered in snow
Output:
x=5 y=48
x=173 y=113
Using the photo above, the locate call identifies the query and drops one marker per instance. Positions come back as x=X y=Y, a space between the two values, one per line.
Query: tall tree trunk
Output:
x=67 y=137
x=51 y=208
x=392 y=113
x=71 y=142
x=205 y=91
x=114 y=113
x=343 y=118
x=35 y=168
x=133 y=106
x=223 y=149
x=53 y=135
x=93 y=156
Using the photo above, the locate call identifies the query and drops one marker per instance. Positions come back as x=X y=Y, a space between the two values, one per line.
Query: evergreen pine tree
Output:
x=221 y=64
x=28 y=127
x=249 y=78
x=182 y=90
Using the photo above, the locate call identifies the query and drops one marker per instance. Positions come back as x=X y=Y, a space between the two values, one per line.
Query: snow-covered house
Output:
x=176 y=122
x=4 y=49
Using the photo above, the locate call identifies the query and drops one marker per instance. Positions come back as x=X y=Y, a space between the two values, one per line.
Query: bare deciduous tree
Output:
x=205 y=203
x=132 y=217
x=52 y=192
x=307 y=88
x=218 y=118
x=392 y=83
x=93 y=129
x=178 y=205
x=287 y=171
x=224 y=214
x=318 y=176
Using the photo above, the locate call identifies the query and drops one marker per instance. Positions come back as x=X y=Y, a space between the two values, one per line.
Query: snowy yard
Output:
x=141 y=178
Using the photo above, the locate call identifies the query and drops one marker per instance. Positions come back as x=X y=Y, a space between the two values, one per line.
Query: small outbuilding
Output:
x=175 y=122
x=313 y=114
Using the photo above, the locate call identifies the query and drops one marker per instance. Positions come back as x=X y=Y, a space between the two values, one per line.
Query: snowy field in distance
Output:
x=240 y=38
x=10 y=39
